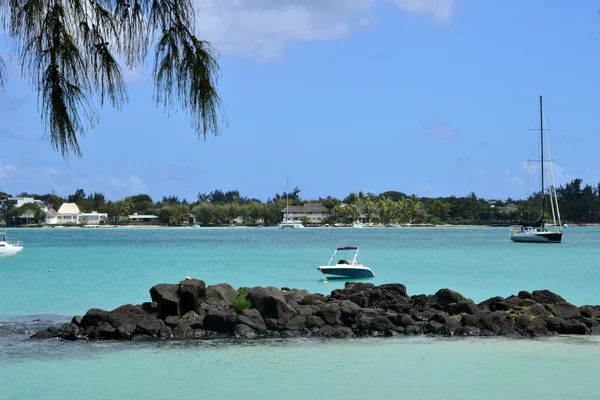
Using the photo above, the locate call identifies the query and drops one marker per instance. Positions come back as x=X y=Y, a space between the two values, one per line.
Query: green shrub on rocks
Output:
x=240 y=302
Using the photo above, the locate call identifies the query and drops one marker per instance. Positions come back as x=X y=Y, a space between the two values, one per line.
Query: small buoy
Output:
x=324 y=281
x=187 y=278
x=50 y=270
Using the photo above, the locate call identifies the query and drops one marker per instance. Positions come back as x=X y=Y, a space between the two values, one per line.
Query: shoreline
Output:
x=149 y=226
x=191 y=310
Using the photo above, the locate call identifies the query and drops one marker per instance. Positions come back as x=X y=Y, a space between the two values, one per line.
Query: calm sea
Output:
x=109 y=267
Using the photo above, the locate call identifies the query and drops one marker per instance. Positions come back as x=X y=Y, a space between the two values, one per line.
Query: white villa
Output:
x=316 y=212
x=19 y=201
x=70 y=213
x=142 y=218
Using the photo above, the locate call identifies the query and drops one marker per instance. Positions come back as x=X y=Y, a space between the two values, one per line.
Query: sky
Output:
x=431 y=97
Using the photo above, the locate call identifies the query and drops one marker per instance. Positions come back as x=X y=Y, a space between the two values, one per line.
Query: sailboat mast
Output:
x=287 y=206
x=542 y=152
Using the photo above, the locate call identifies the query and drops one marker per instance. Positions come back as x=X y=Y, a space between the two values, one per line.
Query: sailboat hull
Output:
x=537 y=237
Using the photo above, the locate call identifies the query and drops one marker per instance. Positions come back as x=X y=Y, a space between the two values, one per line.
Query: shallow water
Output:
x=109 y=267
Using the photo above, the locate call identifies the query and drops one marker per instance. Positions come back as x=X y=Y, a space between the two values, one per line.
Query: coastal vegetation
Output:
x=69 y=50
x=579 y=204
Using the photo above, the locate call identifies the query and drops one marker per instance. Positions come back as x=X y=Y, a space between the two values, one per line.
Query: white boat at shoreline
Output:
x=7 y=248
x=345 y=268
x=288 y=223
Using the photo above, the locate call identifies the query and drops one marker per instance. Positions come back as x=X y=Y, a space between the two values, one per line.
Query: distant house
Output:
x=20 y=201
x=315 y=212
x=509 y=208
x=93 y=218
x=142 y=218
x=68 y=213
x=51 y=217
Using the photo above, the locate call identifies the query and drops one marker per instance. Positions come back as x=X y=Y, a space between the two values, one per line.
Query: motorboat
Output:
x=345 y=268
x=7 y=248
x=539 y=232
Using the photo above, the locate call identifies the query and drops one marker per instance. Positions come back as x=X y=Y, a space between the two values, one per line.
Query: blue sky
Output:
x=433 y=97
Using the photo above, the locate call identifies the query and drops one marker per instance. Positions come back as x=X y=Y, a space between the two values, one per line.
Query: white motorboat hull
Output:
x=10 y=250
x=340 y=271
x=536 y=237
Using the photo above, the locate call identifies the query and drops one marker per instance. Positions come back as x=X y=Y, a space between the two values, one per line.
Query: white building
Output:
x=142 y=218
x=51 y=217
x=68 y=213
x=93 y=218
x=19 y=201
x=315 y=212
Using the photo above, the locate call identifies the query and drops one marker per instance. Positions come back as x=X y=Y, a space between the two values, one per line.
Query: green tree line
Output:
x=579 y=203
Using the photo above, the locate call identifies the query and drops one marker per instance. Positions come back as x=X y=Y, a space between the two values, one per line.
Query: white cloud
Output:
x=133 y=184
x=439 y=130
x=442 y=10
x=6 y=170
x=262 y=29
x=510 y=178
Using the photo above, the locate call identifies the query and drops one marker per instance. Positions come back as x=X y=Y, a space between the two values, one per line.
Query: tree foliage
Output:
x=70 y=51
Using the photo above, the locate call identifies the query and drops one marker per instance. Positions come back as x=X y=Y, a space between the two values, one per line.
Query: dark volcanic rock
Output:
x=166 y=297
x=191 y=294
x=191 y=310
x=220 y=295
x=546 y=297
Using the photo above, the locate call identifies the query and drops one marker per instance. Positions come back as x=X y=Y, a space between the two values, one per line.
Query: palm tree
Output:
x=69 y=49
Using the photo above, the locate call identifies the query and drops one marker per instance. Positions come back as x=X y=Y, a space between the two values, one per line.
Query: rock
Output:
x=252 y=318
x=293 y=297
x=193 y=320
x=244 y=331
x=512 y=303
x=566 y=327
x=220 y=320
x=489 y=304
x=330 y=332
x=546 y=297
x=129 y=320
x=381 y=323
x=172 y=321
x=308 y=310
x=191 y=294
x=101 y=330
x=166 y=297
x=451 y=327
x=93 y=317
x=220 y=295
x=466 y=306
x=297 y=323
x=523 y=294
x=563 y=310
x=590 y=311
x=313 y=299
x=497 y=323
x=69 y=331
x=314 y=322
x=349 y=312
x=76 y=320
x=270 y=303
x=539 y=310
x=331 y=313
x=447 y=298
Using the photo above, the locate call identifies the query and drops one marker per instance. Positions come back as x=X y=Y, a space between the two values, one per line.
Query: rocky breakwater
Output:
x=190 y=309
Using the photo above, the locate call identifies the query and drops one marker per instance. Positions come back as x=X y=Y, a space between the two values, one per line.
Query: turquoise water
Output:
x=109 y=267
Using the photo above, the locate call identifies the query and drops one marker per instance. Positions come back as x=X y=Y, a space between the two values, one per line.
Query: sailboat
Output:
x=538 y=232
x=288 y=223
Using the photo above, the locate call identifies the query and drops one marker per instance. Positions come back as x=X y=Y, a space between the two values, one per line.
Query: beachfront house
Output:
x=143 y=219
x=93 y=218
x=509 y=208
x=20 y=201
x=51 y=217
x=68 y=213
x=315 y=212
